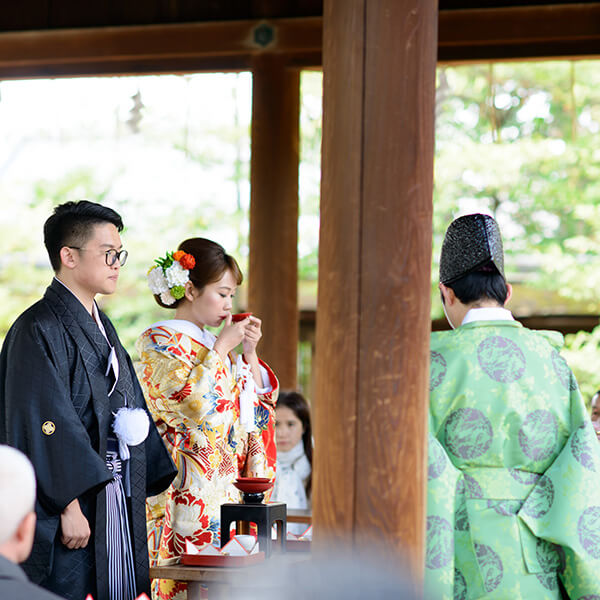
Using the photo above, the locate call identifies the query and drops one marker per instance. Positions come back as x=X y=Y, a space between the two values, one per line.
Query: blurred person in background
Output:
x=595 y=414
x=293 y=435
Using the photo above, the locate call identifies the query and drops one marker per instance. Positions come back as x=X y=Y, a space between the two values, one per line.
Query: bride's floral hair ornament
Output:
x=167 y=278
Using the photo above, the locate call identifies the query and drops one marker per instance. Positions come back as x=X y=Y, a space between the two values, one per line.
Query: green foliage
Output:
x=582 y=352
x=310 y=175
x=185 y=174
x=76 y=183
x=518 y=141
x=165 y=261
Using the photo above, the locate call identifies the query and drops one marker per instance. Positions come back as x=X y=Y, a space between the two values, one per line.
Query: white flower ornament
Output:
x=168 y=277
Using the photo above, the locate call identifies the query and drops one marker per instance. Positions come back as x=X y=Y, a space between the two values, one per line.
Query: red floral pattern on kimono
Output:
x=194 y=400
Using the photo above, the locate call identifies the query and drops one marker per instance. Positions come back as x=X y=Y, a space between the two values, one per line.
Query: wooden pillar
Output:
x=273 y=268
x=372 y=341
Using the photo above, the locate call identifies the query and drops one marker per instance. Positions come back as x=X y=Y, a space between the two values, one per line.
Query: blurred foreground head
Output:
x=17 y=498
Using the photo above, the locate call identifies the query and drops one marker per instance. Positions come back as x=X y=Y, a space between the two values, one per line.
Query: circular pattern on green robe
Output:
x=540 y=500
x=538 y=435
x=468 y=433
x=440 y=542
x=563 y=372
x=437 y=369
x=473 y=488
x=460 y=586
x=490 y=566
x=581 y=448
x=548 y=580
x=588 y=529
x=506 y=508
x=524 y=477
x=550 y=556
x=466 y=486
x=501 y=359
x=461 y=516
x=436 y=459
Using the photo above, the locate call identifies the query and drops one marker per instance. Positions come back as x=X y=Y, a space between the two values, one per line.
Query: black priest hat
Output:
x=472 y=243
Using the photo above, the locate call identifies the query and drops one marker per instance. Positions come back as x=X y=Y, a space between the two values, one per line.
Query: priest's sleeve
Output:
x=442 y=480
x=564 y=506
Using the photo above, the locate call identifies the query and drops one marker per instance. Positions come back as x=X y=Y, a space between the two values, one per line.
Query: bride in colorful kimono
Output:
x=214 y=411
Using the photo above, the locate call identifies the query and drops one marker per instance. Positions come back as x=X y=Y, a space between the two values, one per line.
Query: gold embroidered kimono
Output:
x=194 y=399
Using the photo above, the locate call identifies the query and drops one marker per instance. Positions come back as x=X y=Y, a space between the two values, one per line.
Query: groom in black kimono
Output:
x=63 y=376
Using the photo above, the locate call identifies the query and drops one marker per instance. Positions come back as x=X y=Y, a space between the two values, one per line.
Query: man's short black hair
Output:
x=480 y=285
x=71 y=224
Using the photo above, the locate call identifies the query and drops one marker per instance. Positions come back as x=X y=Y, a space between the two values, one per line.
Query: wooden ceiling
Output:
x=516 y=30
x=43 y=38
x=27 y=15
x=61 y=14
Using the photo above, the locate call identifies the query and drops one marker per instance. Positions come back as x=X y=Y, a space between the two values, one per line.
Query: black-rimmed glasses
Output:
x=110 y=256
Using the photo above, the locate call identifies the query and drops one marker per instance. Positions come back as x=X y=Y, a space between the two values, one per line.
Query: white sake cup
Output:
x=247 y=541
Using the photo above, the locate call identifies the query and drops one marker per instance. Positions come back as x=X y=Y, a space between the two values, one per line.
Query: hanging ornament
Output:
x=135 y=114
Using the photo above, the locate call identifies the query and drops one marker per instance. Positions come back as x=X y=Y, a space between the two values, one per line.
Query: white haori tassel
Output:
x=247 y=389
x=131 y=426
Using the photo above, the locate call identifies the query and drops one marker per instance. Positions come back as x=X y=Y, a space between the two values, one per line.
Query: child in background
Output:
x=293 y=436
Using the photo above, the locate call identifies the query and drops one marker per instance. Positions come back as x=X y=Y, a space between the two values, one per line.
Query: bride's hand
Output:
x=252 y=335
x=230 y=336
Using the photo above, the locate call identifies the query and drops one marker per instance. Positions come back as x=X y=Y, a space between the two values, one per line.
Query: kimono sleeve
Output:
x=258 y=454
x=265 y=431
x=564 y=506
x=183 y=396
x=40 y=419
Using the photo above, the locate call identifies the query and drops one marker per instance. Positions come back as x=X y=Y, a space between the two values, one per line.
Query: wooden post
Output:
x=273 y=270
x=372 y=341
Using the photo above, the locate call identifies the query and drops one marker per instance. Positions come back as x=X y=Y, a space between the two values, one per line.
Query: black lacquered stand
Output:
x=252 y=510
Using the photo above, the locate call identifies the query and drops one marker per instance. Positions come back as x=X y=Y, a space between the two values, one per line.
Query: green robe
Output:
x=514 y=469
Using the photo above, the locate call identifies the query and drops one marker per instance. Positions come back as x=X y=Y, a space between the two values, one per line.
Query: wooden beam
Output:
x=480 y=34
x=539 y=31
x=273 y=273
x=379 y=61
x=160 y=48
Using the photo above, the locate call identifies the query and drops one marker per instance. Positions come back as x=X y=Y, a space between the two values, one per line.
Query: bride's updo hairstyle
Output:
x=211 y=263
